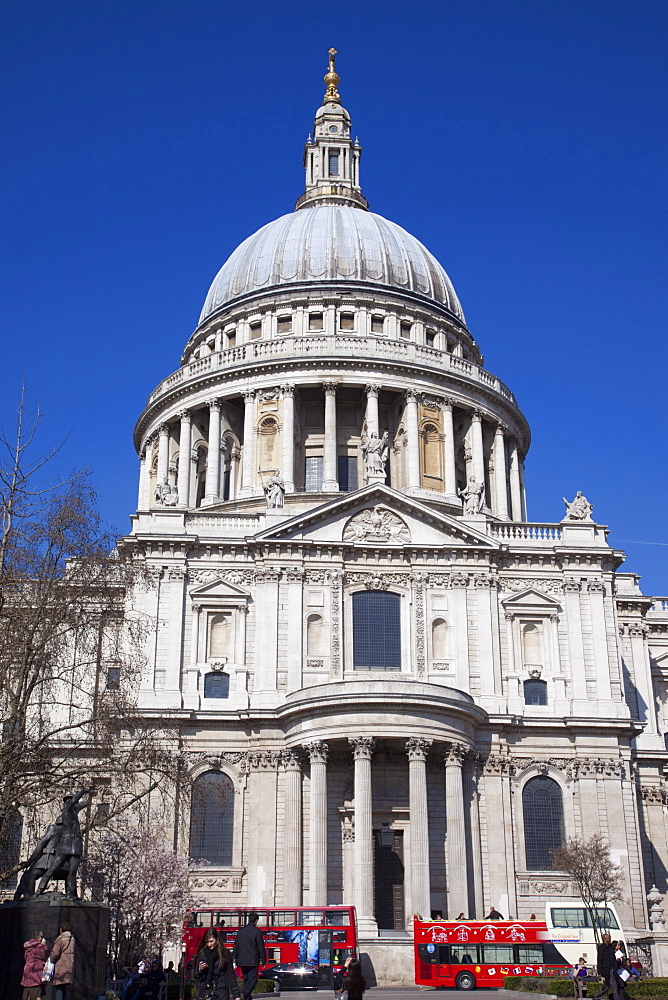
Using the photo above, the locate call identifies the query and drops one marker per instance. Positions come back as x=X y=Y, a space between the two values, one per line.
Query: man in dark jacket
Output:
x=249 y=952
x=606 y=966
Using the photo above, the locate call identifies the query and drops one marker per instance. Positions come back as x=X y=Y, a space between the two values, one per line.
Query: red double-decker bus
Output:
x=470 y=953
x=290 y=934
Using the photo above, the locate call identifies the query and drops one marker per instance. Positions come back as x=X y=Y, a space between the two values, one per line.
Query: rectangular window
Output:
x=284 y=324
x=405 y=330
x=333 y=164
x=376 y=630
x=529 y=954
x=313 y=473
x=574 y=916
x=494 y=954
x=232 y=338
x=255 y=331
x=464 y=954
x=347 y=472
x=310 y=918
x=282 y=918
x=315 y=321
x=347 y=321
x=113 y=678
x=377 y=324
x=430 y=338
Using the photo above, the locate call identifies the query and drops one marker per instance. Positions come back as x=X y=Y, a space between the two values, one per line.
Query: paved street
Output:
x=411 y=993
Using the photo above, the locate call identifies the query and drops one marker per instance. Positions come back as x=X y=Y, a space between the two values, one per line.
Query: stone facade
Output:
x=333 y=350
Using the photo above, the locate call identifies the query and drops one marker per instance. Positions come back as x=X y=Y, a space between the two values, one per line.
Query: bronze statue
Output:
x=58 y=853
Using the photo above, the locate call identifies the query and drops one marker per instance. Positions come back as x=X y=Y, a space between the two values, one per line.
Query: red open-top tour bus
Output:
x=470 y=953
x=290 y=935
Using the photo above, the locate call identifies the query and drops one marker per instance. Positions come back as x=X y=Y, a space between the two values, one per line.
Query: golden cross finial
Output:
x=332 y=80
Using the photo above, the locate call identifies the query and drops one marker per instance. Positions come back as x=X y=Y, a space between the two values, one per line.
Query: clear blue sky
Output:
x=523 y=141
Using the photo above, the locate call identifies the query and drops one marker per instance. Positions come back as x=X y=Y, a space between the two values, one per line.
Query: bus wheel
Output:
x=465 y=981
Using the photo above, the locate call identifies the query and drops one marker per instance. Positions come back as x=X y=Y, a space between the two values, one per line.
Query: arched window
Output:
x=543 y=810
x=535 y=692
x=216 y=684
x=268 y=438
x=220 y=636
x=211 y=818
x=315 y=636
x=439 y=639
x=376 y=630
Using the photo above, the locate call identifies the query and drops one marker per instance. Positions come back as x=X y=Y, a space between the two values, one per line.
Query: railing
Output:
x=659 y=604
x=222 y=522
x=526 y=533
x=322 y=345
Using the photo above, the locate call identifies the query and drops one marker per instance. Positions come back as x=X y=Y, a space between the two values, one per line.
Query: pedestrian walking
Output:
x=36 y=952
x=249 y=953
x=62 y=956
x=214 y=970
x=354 y=983
x=606 y=966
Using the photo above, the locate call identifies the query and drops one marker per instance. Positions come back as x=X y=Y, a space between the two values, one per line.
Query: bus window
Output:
x=273 y=956
x=311 y=918
x=282 y=918
x=606 y=918
x=262 y=922
x=337 y=918
x=529 y=954
x=496 y=954
x=444 y=954
x=202 y=918
x=467 y=958
x=573 y=916
x=226 y=918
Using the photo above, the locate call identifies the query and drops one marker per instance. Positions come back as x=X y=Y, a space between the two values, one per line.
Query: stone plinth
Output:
x=89 y=923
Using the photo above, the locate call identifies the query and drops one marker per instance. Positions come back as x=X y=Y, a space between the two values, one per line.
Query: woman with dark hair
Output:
x=214 y=970
x=354 y=982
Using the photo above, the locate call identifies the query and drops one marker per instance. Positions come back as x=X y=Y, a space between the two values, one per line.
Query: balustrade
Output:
x=534 y=534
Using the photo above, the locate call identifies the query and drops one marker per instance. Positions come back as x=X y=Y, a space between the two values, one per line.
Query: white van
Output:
x=570 y=929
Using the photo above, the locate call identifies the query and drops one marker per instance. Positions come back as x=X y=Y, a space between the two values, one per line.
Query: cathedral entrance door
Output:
x=388 y=879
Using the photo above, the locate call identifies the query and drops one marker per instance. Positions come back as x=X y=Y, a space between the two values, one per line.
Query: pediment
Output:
x=531 y=600
x=378 y=515
x=218 y=590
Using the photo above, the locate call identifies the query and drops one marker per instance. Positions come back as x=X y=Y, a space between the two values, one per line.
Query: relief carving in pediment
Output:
x=377 y=524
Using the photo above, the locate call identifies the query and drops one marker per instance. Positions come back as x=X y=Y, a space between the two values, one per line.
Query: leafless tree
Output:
x=71 y=653
x=599 y=880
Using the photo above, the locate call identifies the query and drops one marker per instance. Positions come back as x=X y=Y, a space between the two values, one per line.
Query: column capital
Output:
x=417 y=747
x=362 y=746
x=447 y=402
x=500 y=428
x=329 y=388
x=317 y=751
x=372 y=390
x=249 y=395
x=214 y=404
x=413 y=396
x=455 y=754
x=476 y=415
x=290 y=760
x=163 y=429
x=287 y=390
x=184 y=415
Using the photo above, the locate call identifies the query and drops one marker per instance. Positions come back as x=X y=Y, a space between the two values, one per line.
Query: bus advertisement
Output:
x=290 y=935
x=470 y=953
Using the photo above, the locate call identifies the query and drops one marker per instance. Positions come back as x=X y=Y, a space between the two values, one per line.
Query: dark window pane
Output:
x=313 y=477
x=535 y=693
x=376 y=631
x=333 y=164
x=543 y=821
x=211 y=818
x=497 y=953
x=529 y=954
x=216 y=685
x=347 y=472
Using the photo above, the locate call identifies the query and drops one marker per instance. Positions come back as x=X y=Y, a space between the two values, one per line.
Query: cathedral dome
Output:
x=330 y=242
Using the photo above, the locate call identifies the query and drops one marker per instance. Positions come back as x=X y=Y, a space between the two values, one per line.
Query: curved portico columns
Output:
x=412 y=442
x=500 y=479
x=213 y=454
x=372 y=422
x=142 y=499
x=248 y=460
x=163 y=454
x=457 y=888
x=449 y=448
x=288 y=469
x=183 y=482
x=515 y=483
x=362 y=747
x=477 y=453
x=329 y=470
x=318 y=752
x=292 y=878
x=417 y=748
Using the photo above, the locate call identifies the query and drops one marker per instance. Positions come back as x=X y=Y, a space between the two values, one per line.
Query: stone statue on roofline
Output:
x=375 y=452
x=473 y=496
x=274 y=491
x=579 y=509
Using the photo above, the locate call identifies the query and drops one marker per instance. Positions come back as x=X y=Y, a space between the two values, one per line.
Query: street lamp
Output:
x=182 y=990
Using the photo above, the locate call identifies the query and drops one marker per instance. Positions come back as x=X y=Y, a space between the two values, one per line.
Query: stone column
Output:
x=142 y=498
x=372 y=424
x=318 y=752
x=477 y=453
x=292 y=805
x=329 y=470
x=417 y=749
x=163 y=455
x=413 y=441
x=288 y=470
x=515 y=484
x=523 y=492
x=248 y=467
x=449 y=463
x=500 y=481
x=362 y=747
x=213 y=456
x=185 y=459
x=457 y=888
x=475 y=910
